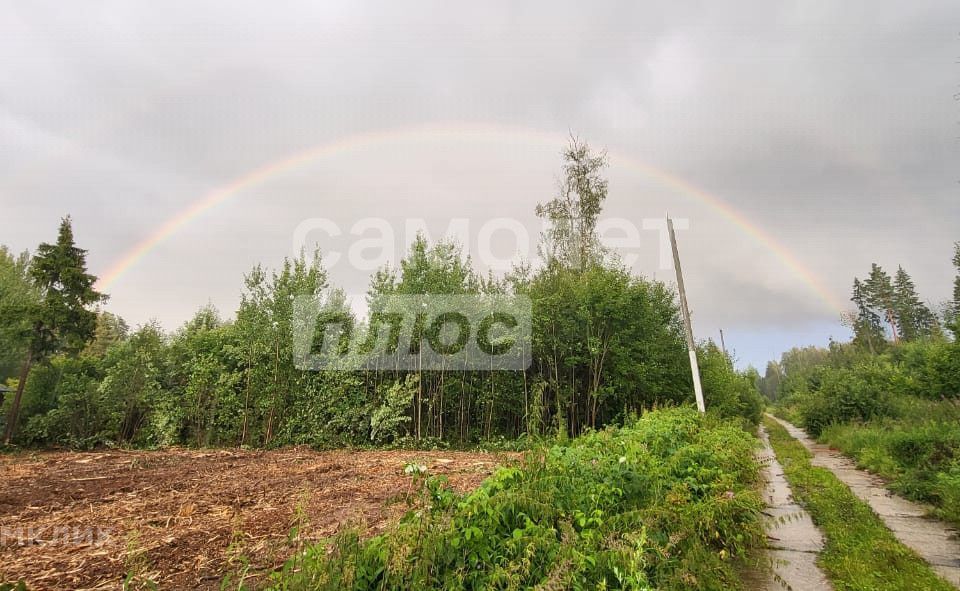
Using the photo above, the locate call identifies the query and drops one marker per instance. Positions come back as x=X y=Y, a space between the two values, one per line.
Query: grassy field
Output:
x=860 y=552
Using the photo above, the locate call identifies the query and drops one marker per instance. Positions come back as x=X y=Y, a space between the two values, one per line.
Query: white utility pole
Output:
x=691 y=347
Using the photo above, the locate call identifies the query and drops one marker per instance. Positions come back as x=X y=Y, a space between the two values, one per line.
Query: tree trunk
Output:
x=246 y=405
x=15 y=406
x=891 y=320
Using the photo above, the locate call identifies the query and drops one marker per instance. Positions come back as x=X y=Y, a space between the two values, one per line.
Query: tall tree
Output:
x=63 y=320
x=133 y=390
x=913 y=317
x=867 y=327
x=878 y=289
x=571 y=239
x=770 y=382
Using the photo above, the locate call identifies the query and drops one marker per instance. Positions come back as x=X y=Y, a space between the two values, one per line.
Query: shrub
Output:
x=860 y=393
x=933 y=367
x=663 y=502
x=727 y=393
x=947 y=489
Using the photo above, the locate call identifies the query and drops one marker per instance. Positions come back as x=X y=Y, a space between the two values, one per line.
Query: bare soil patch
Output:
x=181 y=518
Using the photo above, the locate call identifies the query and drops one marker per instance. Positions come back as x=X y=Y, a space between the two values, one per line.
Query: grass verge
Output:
x=667 y=502
x=860 y=552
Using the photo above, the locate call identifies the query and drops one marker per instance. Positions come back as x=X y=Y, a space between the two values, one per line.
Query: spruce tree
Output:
x=63 y=321
x=914 y=319
x=867 y=328
x=878 y=292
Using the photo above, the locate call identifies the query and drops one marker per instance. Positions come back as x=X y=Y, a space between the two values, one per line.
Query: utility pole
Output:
x=722 y=344
x=691 y=348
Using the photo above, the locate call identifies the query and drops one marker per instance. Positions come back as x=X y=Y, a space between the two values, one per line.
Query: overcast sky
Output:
x=831 y=126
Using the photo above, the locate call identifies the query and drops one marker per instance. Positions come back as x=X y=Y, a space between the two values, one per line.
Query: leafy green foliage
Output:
x=860 y=393
x=896 y=413
x=60 y=320
x=571 y=240
x=891 y=406
x=727 y=392
x=665 y=502
x=389 y=421
x=18 y=298
x=604 y=342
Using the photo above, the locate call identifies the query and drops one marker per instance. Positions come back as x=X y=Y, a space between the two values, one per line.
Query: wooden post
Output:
x=691 y=347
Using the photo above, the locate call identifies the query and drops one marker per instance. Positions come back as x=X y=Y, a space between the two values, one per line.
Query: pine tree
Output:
x=867 y=328
x=914 y=319
x=878 y=292
x=63 y=320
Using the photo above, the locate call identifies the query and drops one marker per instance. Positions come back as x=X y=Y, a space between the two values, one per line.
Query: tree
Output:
x=770 y=382
x=913 y=317
x=17 y=300
x=727 y=392
x=62 y=320
x=111 y=329
x=605 y=342
x=879 y=295
x=133 y=389
x=571 y=239
x=867 y=328
x=797 y=366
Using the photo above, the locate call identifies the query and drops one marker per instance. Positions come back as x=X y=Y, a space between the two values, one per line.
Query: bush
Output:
x=727 y=393
x=947 y=489
x=933 y=368
x=664 y=502
x=860 y=393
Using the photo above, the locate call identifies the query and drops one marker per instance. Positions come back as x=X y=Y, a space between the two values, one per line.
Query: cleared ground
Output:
x=182 y=518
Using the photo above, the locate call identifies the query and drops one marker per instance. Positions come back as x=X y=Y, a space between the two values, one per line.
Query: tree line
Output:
x=891 y=396
x=888 y=317
x=605 y=344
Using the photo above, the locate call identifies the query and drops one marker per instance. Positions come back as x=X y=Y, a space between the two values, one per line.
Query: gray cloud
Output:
x=830 y=125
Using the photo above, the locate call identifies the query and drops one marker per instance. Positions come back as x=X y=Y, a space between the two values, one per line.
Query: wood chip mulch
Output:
x=184 y=518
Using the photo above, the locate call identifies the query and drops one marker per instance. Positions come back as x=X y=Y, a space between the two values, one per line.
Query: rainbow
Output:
x=456 y=131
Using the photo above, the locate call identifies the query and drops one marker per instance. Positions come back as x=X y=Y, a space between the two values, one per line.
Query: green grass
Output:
x=860 y=552
x=668 y=502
